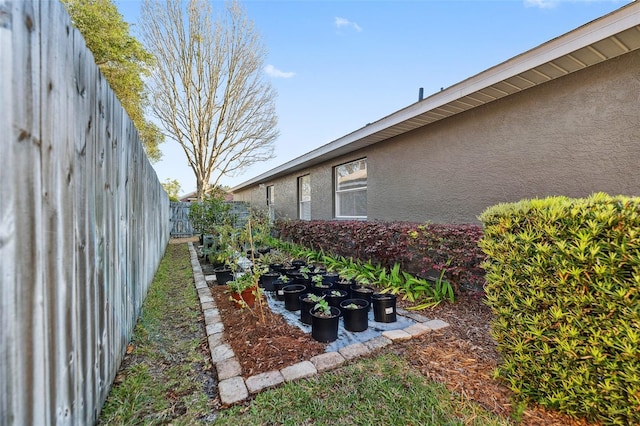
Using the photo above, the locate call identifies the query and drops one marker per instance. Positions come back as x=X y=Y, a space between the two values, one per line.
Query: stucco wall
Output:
x=572 y=136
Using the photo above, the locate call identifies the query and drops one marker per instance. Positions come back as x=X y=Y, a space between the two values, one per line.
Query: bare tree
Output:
x=209 y=89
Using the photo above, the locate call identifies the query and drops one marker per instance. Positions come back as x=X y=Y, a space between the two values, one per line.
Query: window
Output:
x=351 y=189
x=270 y=200
x=304 y=197
x=270 y=195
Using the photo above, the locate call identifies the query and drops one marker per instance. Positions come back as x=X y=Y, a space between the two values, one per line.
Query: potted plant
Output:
x=267 y=276
x=324 y=322
x=355 y=313
x=318 y=286
x=384 y=307
x=228 y=239
x=307 y=302
x=278 y=284
x=244 y=290
x=292 y=294
x=359 y=291
x=267 y=279
x=305 y=272
x=334 y=297
x=275 y=260
x=344 y=284
x=330 y=277
x=298 y=263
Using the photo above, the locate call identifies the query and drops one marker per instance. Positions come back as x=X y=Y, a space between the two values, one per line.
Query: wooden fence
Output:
x=180 y=224
x=83 y=222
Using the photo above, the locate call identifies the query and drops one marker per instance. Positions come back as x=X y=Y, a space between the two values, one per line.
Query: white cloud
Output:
x=542 y=4
x=342 y=22
x=275 y=72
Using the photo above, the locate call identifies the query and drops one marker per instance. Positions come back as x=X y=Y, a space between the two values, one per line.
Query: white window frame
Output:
x=337 y=191
x=301 y=197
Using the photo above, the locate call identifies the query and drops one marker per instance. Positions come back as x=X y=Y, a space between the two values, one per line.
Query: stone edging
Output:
x=233 y=388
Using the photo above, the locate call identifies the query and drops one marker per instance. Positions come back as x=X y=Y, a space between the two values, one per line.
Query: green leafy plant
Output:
x=563 y=283
x=314 y=298
x=317 y=280
x=322 y=308
x=208 y=215
x=241 y=283
x=285 y=279
x=305 y=271
x=395 y=281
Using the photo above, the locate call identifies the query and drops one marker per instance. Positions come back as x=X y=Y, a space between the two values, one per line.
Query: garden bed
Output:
x=462 y=356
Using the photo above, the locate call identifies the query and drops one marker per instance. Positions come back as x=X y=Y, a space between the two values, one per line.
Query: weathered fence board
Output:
x=83 y=222
x=180 y=224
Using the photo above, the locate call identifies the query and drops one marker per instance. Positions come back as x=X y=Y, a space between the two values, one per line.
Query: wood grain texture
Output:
x=84 y=222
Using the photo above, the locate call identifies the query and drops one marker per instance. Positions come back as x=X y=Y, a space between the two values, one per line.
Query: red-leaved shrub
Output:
x=420 y=249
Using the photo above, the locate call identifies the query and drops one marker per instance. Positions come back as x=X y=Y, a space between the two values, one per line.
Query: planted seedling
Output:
x=322 y=308
x=284 y=279
x=351 y=306
x=317 y=280
x=305 y=271
x=313 y=298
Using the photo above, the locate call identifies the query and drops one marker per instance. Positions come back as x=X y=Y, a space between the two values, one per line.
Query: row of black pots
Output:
x=355 y=311
x=296 y=294
x=282 y=268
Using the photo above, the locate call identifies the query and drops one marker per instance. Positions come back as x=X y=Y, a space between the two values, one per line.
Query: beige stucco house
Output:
x=560 y=119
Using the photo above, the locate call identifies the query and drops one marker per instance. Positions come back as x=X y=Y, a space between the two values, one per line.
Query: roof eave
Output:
x=485 y=87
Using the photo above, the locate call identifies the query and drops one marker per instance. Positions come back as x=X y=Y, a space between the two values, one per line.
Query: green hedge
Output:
x=563 y=279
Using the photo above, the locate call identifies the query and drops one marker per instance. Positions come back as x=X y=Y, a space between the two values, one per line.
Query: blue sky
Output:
x=338 y=65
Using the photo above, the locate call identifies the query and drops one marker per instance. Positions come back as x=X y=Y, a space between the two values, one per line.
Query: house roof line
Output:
x=604 y=38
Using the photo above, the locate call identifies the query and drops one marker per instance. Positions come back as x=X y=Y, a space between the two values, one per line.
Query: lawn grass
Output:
x=381 y=390
x=163 y=380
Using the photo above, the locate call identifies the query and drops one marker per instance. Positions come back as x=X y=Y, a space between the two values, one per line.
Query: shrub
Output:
x=453 y=248
x=563 y=279
x=208 y=215
x=418 y=248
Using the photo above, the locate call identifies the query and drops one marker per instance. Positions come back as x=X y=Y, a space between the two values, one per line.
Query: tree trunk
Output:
x=201 y=189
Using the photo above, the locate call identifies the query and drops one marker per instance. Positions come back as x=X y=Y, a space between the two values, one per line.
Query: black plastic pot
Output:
x=362 y=292
x=343 y=284
x=267 y=279
x=264 y=250
x=297 y=277
x=286 y=269
x=334 y=300
x=320 y=289
x=223 y=275
x=276 y=267
x=298 y=263
x=292 y=294
x=384 y=307
x=305 y=308
x=331 y=277
x=355 y=319
x=325 y=329
x=277 y=287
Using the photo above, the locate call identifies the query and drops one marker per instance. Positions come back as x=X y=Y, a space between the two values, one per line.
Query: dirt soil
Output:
x=462 y=356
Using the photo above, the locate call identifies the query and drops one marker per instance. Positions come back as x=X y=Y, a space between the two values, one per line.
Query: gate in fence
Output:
x=180 y=225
